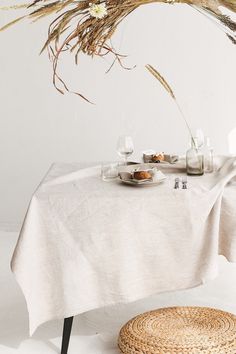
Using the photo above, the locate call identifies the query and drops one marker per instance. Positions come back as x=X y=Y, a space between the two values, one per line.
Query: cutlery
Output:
x=177 y=180
x=184 y=183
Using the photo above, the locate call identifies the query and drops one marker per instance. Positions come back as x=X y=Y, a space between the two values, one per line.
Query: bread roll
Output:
x=142 y=175
x=158 y=157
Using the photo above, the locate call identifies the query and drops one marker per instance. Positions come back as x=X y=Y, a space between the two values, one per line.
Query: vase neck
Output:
x=194 y=143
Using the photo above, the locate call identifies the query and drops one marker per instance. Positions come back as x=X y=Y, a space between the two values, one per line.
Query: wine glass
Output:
x=125 y=147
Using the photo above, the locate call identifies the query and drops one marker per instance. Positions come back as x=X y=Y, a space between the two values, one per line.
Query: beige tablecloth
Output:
x=86 y=243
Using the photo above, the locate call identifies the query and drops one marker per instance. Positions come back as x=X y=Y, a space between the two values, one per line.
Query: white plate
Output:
x=142 y=183
x=125 y=173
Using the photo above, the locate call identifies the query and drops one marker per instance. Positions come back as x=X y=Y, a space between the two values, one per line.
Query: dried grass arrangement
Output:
x=170 y=91
x=86 y=26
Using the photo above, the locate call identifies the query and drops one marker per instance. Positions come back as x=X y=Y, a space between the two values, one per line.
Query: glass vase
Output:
x=208 y=157
x=195 y=159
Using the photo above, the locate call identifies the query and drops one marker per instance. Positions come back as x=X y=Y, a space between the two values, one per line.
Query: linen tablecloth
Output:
x=86 y=243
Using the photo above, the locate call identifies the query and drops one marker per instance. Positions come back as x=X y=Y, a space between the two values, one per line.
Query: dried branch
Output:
x=74 y=29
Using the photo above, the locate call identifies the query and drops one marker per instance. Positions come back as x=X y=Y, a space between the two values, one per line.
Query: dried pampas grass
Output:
x=168 y=88
x=74 y=29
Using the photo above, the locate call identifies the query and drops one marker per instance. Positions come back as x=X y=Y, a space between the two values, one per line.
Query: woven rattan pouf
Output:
x=180 y=330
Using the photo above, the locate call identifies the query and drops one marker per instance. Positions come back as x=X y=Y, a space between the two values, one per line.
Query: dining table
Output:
x=86 y=243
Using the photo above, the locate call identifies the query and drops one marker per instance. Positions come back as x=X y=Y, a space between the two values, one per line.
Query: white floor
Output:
x=95 y=332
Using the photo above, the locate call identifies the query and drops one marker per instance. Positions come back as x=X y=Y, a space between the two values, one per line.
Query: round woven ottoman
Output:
x=180 y=330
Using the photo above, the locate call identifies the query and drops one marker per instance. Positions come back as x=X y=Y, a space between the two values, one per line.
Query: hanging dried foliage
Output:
x=88 y=25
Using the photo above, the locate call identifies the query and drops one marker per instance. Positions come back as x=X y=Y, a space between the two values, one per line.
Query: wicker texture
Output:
x=180 y=330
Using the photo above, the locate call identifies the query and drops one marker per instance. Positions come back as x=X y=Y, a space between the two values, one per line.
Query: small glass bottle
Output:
x=208 y=156
x=195 y=159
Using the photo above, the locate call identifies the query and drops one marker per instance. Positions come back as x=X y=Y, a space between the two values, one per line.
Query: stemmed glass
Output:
x=125 y=147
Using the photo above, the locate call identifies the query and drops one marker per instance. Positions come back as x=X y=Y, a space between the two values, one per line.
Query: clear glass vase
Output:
x=195 y=159
x=208 y=157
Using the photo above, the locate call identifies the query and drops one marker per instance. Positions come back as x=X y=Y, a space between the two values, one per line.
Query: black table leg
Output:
x=66 y=334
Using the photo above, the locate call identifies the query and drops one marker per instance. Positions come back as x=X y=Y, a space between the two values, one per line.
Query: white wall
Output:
x=39 y=126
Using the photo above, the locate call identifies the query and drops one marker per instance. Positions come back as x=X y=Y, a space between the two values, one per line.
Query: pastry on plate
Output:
x=139 y=175
x=158 y=157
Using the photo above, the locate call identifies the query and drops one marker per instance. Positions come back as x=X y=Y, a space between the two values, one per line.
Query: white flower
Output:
x=98 y=10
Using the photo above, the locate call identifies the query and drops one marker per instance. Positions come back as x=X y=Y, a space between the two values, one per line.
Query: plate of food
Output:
x=159 y=157
x=141 y=174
